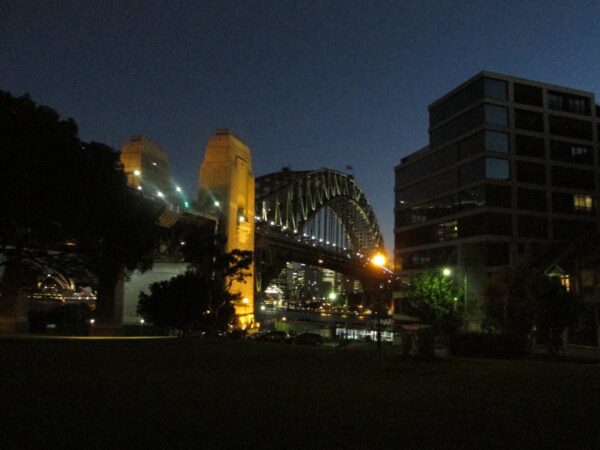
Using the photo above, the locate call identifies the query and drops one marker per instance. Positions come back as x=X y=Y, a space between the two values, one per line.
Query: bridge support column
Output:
x=226 y=189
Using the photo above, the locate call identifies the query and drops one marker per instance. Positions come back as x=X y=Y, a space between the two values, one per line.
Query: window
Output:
x=472 y=198
x=533 y=227
x=566 y=203
x=498 y=196
x=457 y=126
x=577 y=153
x=528 y=95
x=563 y=126
x=447 y=231
x=565 y=282
x=428 y=188
x=528 y=120
x=472 y=172
x=531 y=199
x=583 y=203
x=496 y=141
x=492 y=224
x=497 y=169
x=471 y=146
x=496 y=115
x=427 y=211
x=495 y=89
x=531 y=173
x=461 y=99
x=570 y=103
x=572 y=178
x=429 y=258
x=567 y=230
x=529 y=146
x=493 y=141
x=498 y=224
x=497 y=254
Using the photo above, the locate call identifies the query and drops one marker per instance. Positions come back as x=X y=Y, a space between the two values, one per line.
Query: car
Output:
x=274 y=336
x=309 y=339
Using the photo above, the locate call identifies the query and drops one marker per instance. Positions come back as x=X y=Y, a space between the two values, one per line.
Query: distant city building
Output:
x=510 y=175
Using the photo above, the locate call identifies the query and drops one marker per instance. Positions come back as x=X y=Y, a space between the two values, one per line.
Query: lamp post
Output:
x=379 y=259
x=466 y=313
x=446 y=271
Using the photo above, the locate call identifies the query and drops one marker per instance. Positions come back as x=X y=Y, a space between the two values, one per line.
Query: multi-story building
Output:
x=511 y=173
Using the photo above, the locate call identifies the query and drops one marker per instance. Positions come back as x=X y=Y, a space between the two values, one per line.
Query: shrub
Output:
x=489 y=345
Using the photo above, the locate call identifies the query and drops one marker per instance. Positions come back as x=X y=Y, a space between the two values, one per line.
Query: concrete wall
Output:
x=140 y=282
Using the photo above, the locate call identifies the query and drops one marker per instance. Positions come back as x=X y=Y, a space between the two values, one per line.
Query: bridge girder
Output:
x=290 y=199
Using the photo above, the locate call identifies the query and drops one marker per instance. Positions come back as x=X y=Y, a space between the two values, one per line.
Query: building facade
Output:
x=510 y=174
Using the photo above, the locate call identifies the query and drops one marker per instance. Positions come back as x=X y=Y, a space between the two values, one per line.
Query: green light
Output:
x=186 y=204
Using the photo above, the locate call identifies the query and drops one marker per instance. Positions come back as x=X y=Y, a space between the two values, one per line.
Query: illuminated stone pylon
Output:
x=226 y=189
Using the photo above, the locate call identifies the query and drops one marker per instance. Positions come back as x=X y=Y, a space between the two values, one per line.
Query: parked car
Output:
x=274 y=336
x=309 y=339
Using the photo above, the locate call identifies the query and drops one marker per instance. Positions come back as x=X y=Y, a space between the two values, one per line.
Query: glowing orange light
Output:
x=379 y=259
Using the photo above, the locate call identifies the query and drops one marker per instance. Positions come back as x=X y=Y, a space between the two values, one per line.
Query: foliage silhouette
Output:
x=64 y=204
x=199 y=300
x=432 y=297
x=521 y=301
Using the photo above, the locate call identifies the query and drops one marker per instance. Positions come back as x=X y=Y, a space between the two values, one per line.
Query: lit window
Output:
x=565 y=281
x=447 y=231
x=583 y=202
x=578 y=151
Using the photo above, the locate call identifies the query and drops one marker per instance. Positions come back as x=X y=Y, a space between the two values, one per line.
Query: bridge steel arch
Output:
x=287 y=200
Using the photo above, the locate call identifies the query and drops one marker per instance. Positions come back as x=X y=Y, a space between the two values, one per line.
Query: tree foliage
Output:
x=64 y=203
x=201 y=298
x=432 y=297
x=522 y=300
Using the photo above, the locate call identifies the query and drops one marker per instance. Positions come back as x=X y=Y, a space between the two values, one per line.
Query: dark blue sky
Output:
x=306 y=84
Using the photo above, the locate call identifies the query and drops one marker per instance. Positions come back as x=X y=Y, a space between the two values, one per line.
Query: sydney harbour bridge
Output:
x=319 y=217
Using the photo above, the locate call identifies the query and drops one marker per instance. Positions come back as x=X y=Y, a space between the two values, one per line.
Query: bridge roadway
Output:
x=274 y=248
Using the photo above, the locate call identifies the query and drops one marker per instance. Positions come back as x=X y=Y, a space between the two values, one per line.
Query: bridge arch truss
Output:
x=289 y=200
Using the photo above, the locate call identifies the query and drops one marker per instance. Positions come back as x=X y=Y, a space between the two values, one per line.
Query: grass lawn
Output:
x=224 y=394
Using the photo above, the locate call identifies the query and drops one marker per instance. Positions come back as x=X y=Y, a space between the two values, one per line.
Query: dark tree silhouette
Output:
x=522 y=300
x=200 y=299
x=65 y=204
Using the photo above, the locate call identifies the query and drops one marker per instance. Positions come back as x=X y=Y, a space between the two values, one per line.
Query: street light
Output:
x=446 y=271
x=379 y=259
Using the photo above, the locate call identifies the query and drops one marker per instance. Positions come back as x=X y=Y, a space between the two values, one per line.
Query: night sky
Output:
x=306 y=84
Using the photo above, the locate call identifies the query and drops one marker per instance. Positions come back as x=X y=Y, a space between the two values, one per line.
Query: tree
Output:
x=522 y=300
x=432 y=297
x=510 y=301
x=200 y=299
x=64 y=204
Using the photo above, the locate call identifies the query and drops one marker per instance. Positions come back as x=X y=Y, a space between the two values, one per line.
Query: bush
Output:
x=489 y=345
x=69 y=319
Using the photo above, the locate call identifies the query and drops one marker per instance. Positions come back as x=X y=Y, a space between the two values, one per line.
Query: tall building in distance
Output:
x=510 y=175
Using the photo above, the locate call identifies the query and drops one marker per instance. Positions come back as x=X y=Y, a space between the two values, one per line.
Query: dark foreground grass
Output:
x=235 y=394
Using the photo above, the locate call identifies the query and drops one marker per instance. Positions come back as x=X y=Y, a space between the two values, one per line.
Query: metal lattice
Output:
x=288 y=200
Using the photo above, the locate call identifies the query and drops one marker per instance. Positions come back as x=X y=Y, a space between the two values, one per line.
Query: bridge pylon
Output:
x=226 y=189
